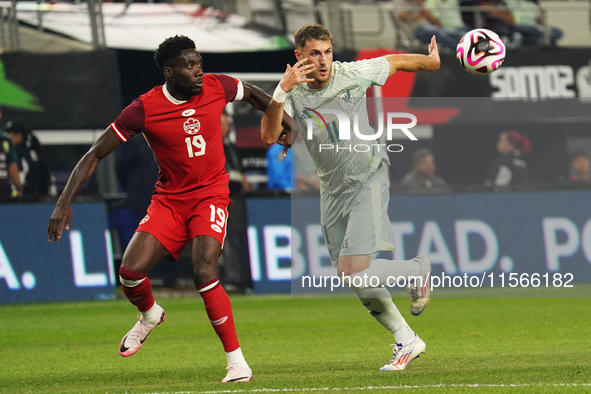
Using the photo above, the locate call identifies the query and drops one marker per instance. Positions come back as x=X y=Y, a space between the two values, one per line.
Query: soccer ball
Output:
x=481 y=51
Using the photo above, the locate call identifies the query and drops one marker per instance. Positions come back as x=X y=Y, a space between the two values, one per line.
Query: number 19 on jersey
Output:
x=195 y=145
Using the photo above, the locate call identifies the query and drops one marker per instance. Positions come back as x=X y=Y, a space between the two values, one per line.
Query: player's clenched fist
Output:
x=296 y=75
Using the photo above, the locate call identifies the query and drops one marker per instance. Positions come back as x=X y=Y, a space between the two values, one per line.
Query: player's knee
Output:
x=203 y=270
x=130 y=278
x=127 y=264
x=135 y=263
x=349 y=266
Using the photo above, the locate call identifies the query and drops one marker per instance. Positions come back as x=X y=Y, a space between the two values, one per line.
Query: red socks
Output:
x=219 y=311
x=137 y=288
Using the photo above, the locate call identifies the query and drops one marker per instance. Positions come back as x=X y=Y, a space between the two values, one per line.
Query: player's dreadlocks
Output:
x=171 y=48
x=310 y=32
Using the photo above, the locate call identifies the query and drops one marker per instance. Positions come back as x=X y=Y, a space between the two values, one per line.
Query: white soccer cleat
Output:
x=135 y=338
x=238 y=373
x=420 y=291
x=404 y=355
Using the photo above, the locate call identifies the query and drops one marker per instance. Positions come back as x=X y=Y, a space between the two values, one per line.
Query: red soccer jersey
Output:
x=185 y=136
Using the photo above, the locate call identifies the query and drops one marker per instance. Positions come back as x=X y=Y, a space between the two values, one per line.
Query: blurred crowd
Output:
x=518 y=22
x=24 y=169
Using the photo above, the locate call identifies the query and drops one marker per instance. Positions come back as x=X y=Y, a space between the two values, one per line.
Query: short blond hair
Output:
x=311 y=32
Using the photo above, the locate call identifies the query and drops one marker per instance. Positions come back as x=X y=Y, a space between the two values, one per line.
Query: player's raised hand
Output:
x=434 y=51
x=61 y=217
x=296 y=75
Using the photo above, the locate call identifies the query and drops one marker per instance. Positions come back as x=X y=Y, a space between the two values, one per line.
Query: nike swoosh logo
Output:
x=219 y=322
x=123 y=348
x=144 y=340
x=233 y=380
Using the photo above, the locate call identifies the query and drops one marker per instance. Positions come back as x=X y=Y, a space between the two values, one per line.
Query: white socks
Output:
x=378 y=300
x=379 y=304
x=152 y=315
x=405 y=335
x=236 y=357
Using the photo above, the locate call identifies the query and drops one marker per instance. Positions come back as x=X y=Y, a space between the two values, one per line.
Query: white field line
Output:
x=401 y=387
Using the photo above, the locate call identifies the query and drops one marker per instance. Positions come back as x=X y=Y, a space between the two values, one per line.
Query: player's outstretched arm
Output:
x=62 y=214
x=415 y=62
x=272 y=123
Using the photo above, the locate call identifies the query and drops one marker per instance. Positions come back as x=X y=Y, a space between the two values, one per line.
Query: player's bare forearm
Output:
x=275 y=120
x=271 y=124
x=105 y=144
x=83 y=170
x=415 y=62
x=260 y=100
x=62 y=214
x=287 y=124
x=256 y=96
x=412 y=63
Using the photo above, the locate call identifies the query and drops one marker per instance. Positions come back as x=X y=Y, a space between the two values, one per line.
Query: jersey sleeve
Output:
x=233 y=88
x=369 y=72
x=131 y=121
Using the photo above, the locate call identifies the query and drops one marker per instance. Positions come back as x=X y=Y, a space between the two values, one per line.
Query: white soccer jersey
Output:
x=343 y=164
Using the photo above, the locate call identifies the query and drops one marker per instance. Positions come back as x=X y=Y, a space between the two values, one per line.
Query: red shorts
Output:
x=175 y=219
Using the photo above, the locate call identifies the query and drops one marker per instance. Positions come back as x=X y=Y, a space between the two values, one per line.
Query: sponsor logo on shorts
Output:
x=188 y=112
x=216 y=228
x=145 y=219
x=192 y=126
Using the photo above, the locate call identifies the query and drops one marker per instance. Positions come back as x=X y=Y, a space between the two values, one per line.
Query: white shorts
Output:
x=357 y=223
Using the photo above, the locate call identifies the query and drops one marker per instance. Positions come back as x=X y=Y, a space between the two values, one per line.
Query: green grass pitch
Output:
x=299 y=345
